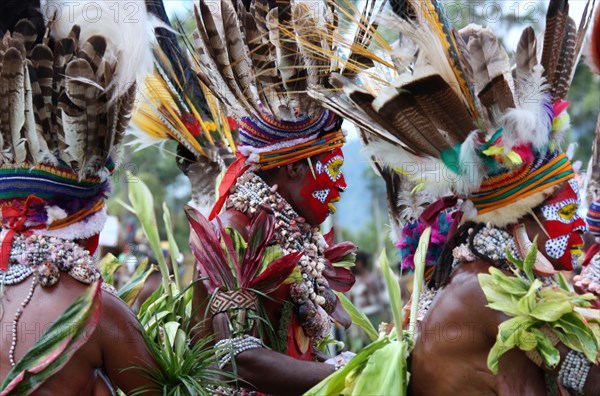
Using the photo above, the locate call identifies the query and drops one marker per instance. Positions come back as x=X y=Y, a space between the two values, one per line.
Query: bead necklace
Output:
x=44 y=257
x=312 y=295
x=489 y=241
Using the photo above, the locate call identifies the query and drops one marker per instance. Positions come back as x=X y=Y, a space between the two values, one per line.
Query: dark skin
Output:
x=457 y=334
x=286 y=376
x=115 y=345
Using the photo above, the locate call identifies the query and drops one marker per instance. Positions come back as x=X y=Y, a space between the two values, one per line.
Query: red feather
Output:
x=235 y=170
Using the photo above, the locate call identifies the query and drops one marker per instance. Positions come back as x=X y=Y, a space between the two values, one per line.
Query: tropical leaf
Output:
x=336 y=383
x=358 y=317
x=420 y=257
x=385 y=371
x=56 y=346
x=142 y=201
x=131 y=291
x=340 y=250
x=393 y=290
x=276 y=273
x=206 y=248
x=173 y=248
x=262 y=228
x=108 y=265
x=340 y=279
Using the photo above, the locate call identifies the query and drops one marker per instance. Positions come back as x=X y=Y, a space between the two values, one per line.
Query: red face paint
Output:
x=564 y=225
x=321 y=191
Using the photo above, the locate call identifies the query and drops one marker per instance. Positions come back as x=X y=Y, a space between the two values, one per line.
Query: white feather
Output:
x=529 y=122
x=126 y=26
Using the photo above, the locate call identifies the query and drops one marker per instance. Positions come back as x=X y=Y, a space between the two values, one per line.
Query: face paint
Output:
x=564 y=225
x=321 y=191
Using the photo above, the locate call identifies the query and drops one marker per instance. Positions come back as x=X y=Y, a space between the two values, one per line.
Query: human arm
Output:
x=272 y=372
x=124 y=349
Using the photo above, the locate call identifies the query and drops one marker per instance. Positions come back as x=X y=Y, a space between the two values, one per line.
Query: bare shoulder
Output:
x=464 y=298
x=118 y=326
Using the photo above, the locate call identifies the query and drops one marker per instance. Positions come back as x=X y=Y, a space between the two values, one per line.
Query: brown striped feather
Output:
x=13 y=109
x=556 y=19
x=238 y=53
x=42 y=60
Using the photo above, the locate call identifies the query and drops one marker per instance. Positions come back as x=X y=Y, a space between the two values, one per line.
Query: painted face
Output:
x=564 y=225
x=323 y=190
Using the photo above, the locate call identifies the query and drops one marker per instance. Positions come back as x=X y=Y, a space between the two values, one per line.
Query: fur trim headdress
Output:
x=453 y=113
x=67 y=88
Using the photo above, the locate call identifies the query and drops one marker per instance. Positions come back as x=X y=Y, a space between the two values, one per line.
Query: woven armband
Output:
x=238 y=306
x=534 y=355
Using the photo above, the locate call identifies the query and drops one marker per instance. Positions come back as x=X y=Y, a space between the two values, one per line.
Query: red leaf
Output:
x=340 y=279
x=336 y=252
x=206 y=248
x=230 y=253
x=276 y=273
x=329 y=236
x=340 y=315
x=262 y=228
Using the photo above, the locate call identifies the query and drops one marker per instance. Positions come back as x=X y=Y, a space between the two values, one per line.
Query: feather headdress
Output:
x=259 y=62
x=176 y=105
x=68 y=88
x=460 y=116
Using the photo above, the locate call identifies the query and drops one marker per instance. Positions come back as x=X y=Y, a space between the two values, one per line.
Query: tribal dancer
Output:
x=288 y=168
x=459 y=117
x=589 y=279
x=67 y=86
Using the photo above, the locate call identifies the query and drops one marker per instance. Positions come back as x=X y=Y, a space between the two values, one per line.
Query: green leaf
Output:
x=551 y=310
x=550 y=355
x=530 y=259
x=108 y=265
x=170 y=332
x=498 y=299
x=239 y=244
x=526 y=340
x=419 y=260
x=385 y=372
x=513 y=260
x=577 y=335
x=173 y=248
x=56 y=346
x=394 y=292
x=271 y=254
x=142 y=201
x=527 y=302
x=563 y=283
x=510 y=284
x=130 y=292
x=508 y=337
x=358 y=317
x=336 y=382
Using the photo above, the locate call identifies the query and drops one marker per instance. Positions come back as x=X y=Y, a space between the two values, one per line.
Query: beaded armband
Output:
x=229 y=348
x=574 y=371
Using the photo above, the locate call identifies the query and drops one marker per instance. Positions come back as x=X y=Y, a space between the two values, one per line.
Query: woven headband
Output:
x=506 y=189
